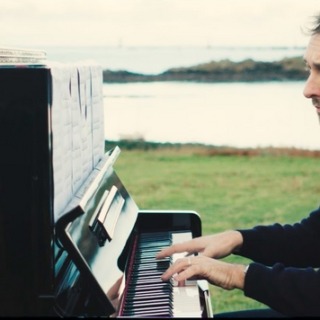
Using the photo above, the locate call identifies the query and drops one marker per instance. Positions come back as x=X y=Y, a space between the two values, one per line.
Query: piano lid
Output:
x=95 y=229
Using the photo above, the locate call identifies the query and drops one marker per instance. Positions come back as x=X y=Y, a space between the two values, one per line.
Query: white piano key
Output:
x=186 y=299
x=178 y=238
x=186 y=302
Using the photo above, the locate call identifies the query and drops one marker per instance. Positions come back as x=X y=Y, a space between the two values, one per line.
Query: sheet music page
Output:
x=77 y=127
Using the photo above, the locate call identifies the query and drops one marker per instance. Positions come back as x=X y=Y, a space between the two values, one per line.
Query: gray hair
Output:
x=316 y=25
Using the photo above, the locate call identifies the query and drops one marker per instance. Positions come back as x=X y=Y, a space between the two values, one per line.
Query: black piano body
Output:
x=71 y=256
x=51 y=136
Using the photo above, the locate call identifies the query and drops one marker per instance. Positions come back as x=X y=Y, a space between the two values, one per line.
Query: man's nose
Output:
x=312 y=87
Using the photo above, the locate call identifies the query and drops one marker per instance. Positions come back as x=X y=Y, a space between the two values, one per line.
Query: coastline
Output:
x=287 y=69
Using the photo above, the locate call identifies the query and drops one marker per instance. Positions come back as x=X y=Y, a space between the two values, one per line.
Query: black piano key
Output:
x=147 y=252
x=150 y=296
x=145 y=269
x=147 y=304
x=149 y=313
x=156 y=285
x=154 y=291
x=152 y=307
x=145 y=299
x=155 y=265
x=143 y=308
x=151 y=257
x=146 y=287
x=141 y=272
x=146 y=274
x=153 y=288
x=157 y=314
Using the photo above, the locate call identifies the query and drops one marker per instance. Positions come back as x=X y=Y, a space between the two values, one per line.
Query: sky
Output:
x=36 y=23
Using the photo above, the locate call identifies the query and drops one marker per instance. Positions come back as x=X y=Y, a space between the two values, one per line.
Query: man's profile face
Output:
x=312 y=60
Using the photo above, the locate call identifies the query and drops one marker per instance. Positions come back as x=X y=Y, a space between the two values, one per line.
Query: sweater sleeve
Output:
x=296 y=245
x=290 y=291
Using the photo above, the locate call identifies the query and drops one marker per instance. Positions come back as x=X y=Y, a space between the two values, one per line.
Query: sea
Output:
x=250 y=115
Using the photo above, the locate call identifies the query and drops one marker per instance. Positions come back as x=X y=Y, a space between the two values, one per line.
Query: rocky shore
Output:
x=287 y=69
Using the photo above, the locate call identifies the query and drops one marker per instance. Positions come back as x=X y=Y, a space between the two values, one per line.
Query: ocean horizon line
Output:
x=207 y=46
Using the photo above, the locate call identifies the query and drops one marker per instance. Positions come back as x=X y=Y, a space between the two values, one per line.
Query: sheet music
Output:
x=61 y=122
x=77 y=127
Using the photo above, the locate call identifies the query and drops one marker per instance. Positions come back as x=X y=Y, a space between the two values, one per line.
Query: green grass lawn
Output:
x=228 y=191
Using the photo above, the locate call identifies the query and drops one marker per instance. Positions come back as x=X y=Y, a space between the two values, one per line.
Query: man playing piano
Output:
x=284 y=273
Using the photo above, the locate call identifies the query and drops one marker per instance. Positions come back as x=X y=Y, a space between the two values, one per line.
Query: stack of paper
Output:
x=21 y=56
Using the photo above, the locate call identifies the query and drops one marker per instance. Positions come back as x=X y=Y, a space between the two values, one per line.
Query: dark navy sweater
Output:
x=284 y=273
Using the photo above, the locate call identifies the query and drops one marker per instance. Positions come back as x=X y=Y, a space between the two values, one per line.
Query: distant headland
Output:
x=287 y=69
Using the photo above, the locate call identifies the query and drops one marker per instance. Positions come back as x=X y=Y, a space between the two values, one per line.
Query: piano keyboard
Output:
x=146 y=295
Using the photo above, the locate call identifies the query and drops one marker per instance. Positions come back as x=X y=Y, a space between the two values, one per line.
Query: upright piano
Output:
x=73 y=242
